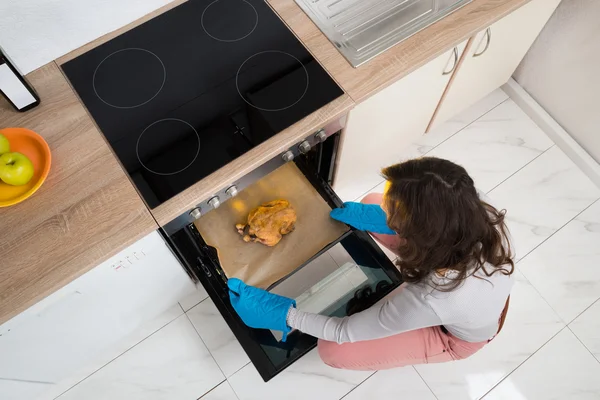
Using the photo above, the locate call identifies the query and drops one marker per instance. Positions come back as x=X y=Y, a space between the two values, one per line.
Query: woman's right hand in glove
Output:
x=259 y=308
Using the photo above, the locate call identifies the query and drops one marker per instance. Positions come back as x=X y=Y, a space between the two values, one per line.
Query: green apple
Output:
x=15 y=169
x=4 y=144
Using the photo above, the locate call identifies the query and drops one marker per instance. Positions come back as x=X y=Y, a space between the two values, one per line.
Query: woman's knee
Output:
x=356 y=356
x=330 y=353
x=372 y=198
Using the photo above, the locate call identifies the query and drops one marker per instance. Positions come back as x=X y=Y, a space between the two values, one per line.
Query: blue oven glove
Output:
x=364 y=217
x=259 y=308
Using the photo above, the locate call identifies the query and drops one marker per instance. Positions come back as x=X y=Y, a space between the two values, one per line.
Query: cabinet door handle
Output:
x=455 y=52
x=488 y=36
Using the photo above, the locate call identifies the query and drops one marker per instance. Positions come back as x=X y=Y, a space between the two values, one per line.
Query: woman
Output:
x=456 y=262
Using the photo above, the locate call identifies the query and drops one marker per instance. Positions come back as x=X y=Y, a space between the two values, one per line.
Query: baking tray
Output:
x=260 y=265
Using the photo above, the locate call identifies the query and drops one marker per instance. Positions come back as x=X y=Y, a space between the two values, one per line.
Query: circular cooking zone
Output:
x=229 y=20
x=168 y=146
x=281 y=77
x=129 y=78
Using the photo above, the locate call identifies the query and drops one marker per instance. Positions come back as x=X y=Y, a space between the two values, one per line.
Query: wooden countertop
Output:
x=401 y=59
x=86 y=211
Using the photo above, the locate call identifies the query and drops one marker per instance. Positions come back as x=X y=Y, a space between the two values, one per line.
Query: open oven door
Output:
x=323 y=283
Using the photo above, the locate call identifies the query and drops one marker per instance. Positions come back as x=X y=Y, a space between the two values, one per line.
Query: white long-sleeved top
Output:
x=470 y=312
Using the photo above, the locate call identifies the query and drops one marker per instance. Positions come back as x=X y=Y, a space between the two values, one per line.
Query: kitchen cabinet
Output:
x=492 y=56
x=381 y=126
x=82 y=326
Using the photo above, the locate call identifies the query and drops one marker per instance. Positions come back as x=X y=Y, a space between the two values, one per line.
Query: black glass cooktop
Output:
x=192 y=89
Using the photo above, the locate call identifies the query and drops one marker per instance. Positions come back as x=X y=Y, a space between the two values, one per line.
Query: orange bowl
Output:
x=36 y=149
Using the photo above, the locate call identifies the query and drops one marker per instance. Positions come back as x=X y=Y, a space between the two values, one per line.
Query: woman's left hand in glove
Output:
x=259 y=308
x=364 y=217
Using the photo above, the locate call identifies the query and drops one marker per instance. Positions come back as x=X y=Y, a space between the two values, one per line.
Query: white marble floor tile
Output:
x=216 y=335
x=352 y=191
x=172 y=364
x=110 y=353
x=392 y=384
x=193 y=298
x=562 y=369
x=529 y=324
x=587 y=328
x=564 y=269
x=377 y=189
x=542 y=197
x=495 y=146
x=221 y=392
x=15 y=387
x=307 y=378
x=427 y=142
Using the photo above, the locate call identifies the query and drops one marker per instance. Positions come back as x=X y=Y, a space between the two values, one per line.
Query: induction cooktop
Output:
x=187 y=92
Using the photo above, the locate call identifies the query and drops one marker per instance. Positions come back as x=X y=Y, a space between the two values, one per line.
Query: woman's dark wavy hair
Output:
x=433 y=204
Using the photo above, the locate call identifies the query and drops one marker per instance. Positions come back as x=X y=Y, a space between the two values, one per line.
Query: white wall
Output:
x=562 y=71
x=36 y=32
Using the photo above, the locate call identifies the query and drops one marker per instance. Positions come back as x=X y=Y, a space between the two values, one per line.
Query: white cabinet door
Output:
x=44 y=348
x=493 y=56
x=380 y=127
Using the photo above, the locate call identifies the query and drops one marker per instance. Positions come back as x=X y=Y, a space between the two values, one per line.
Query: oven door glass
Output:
x=328 y=284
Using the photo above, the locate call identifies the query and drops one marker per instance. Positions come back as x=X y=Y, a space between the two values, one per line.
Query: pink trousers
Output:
x=421 y=346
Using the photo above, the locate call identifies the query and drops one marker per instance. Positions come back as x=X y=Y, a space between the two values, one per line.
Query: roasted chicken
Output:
x=268 y=223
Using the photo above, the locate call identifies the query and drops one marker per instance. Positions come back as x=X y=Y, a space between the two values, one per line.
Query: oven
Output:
x=323 y=282
x=179 y=97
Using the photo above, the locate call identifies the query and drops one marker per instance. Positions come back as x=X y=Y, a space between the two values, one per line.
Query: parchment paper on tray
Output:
x=255 y=263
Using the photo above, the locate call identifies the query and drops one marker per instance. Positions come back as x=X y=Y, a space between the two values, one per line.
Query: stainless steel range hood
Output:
x=362 y=29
